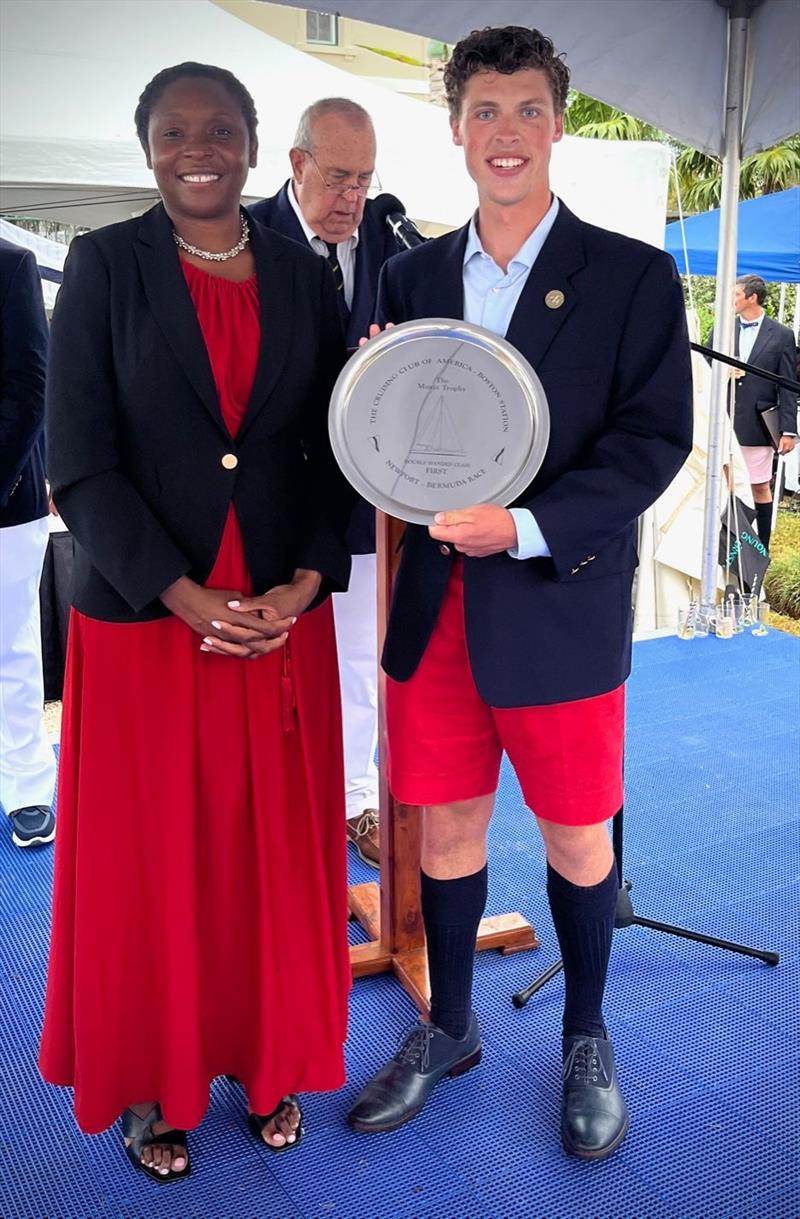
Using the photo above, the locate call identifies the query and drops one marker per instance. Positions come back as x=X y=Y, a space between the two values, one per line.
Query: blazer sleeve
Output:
x=787 y=398
x=330 y=498
x=648 y=431
x=109 y=519
x=23 y=343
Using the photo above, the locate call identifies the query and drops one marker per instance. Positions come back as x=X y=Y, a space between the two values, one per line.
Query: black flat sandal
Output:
x=140 y=1131
x=257 y=1121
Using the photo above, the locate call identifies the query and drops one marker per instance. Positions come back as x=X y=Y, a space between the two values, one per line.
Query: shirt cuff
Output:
x=530 y=539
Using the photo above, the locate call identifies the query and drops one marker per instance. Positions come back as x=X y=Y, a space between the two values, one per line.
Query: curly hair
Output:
x=505 y=49
x=152 y=92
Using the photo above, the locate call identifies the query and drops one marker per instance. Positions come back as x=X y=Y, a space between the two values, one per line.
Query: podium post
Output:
x=390 y=911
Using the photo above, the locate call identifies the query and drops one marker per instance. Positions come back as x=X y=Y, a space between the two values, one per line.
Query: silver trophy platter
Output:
x=438 y=414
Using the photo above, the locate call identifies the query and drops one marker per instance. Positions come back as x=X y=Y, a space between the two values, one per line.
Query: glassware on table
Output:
x=763 y=619
x=702 y=623
x=687 y=618
x=723 y=622
x=734 y=610
x=749 y=609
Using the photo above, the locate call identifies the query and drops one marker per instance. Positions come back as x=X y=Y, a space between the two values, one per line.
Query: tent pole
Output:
x=738 y=27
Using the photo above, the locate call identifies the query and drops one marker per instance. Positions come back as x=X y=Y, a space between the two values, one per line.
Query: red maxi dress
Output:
x=199 y=909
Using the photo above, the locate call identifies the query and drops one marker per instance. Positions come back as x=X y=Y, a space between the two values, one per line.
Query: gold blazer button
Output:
x=444 y=548
x=230 y=461
x=554 y=299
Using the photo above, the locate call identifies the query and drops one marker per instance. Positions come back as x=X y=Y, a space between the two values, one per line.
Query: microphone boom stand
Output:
x=625 y=917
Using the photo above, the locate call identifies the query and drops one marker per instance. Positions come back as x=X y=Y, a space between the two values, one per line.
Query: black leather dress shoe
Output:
x=400 y=1089
x=594 y=1119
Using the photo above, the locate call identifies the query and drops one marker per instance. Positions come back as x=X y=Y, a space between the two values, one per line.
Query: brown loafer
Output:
x=363 y=832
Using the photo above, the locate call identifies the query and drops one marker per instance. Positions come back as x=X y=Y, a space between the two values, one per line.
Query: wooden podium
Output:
x=390 y=911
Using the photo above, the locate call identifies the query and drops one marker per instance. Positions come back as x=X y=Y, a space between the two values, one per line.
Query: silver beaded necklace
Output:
x=208 y=254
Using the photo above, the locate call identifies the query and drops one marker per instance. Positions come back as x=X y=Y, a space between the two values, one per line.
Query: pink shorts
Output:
x=758 y=459
x=445 y=744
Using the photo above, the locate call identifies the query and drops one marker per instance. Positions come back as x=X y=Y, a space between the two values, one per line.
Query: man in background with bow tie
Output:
x=761 y=340
x=324 y=204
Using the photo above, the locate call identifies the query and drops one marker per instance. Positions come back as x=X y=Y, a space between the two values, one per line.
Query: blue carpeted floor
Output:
x=708 y=1042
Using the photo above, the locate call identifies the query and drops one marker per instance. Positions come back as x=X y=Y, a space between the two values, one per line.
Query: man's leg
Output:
x=453 y=884
x=582 y=888
x=27 y=761
x=762 y=498
x=355 y=613
x=568 y=759
x=444 y=757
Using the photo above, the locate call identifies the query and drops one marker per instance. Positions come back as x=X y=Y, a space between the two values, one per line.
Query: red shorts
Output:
x=445 y=743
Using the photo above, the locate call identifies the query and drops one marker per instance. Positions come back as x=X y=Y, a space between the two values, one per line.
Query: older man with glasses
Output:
x=327 y=204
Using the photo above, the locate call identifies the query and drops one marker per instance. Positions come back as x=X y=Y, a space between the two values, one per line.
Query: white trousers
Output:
x=355 y=615
x=27 y=761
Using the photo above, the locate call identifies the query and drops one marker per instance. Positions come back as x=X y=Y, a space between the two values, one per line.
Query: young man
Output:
x=761 y=340
x=511 y=629
x=325 y=205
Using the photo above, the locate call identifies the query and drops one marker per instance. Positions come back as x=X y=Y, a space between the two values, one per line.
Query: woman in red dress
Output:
x=193 y=353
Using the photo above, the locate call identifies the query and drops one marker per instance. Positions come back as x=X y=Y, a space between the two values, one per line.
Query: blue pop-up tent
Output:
x=768 y=241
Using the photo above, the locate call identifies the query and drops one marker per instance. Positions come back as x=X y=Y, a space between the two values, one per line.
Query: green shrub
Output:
x=782 y=585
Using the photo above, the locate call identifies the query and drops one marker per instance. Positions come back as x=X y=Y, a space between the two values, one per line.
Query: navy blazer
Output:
x=376 y=243
x=614 y=362
x=773 y=350
x=23 y=361
x=139 y=455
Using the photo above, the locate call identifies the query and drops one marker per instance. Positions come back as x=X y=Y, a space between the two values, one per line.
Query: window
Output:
x=322 y=27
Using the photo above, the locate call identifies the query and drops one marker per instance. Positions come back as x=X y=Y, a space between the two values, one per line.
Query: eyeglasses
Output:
x=340 y=184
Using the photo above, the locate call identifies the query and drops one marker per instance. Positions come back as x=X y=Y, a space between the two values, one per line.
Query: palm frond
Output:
x=395 y=55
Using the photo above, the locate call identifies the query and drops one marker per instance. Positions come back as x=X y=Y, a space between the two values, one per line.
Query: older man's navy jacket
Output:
x=376 y=243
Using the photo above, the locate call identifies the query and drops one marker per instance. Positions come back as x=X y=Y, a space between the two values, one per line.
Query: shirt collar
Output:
x=310 y=235
x=528 y=252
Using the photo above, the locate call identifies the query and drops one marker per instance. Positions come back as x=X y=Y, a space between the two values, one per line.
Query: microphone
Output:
x=394 y=214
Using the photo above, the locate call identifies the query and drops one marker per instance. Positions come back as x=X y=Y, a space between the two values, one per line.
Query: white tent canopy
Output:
x=662 y=60
x=50 y=256
x=68 y=150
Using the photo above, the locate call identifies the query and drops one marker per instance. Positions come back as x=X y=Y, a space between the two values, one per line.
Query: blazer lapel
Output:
x=276 y=292
x=762 y=340
x=288 y=224
x=535 y=323
x=171 y=304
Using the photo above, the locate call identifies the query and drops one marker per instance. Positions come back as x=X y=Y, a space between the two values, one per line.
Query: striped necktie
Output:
x=333 y=259
x=338 y=279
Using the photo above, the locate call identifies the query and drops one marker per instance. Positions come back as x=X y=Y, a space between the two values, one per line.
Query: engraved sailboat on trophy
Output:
x=437 y=435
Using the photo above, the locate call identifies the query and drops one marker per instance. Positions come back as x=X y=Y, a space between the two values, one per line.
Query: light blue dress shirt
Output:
x=490 y=298
x=748 y=334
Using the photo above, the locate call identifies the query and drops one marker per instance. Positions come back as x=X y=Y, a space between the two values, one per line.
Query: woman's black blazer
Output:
x=142 y=466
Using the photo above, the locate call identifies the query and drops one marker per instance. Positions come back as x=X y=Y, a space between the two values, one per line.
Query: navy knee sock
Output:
x=584 y=923
x=451 y=911
x=764 y=523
